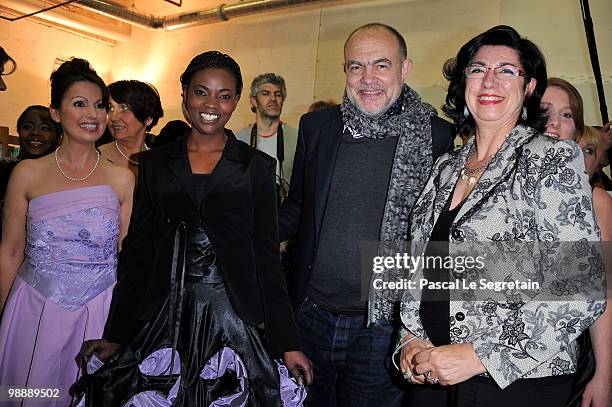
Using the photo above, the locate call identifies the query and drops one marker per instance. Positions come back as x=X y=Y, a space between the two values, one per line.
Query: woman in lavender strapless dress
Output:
x=64 y=217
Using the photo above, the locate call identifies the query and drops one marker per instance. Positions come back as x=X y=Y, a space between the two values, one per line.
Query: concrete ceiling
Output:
x=92 y=25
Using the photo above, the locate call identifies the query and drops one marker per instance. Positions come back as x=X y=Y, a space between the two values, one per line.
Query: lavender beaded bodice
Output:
x=71 y=247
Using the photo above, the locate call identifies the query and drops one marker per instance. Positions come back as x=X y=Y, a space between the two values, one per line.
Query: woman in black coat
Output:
x=200 y=268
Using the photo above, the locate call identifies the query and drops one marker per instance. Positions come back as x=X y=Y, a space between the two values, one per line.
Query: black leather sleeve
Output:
x=281 y=330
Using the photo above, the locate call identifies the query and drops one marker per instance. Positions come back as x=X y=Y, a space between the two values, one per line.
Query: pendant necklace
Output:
x=71 y=178
x=471 y=175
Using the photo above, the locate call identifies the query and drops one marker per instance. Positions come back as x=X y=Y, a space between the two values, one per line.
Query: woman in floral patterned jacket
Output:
x=522 y=202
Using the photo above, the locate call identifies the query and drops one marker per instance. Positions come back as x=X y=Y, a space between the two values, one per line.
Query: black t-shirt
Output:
x=353 y=215
x=434 y=308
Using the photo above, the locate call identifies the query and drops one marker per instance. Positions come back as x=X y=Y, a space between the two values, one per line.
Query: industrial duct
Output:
x=172 y=22
x=65 y=19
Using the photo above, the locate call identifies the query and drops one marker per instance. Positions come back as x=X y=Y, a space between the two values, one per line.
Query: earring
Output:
x=466 y=112
x=524 y=113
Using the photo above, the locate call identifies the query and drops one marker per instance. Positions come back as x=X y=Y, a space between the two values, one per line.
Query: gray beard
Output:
x=373 y=115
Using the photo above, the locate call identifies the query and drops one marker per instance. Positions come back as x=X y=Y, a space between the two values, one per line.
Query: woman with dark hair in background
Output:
x=38 y=133
x=38 y=136
x=135 y=108
x=200 y=285
x=4 y=60
x=68 y=212
x=511 y=186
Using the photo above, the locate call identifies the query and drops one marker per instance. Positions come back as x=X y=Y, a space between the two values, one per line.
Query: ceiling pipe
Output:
x=63 y=18
x=120 y=13
x=173 y=22
x=225 y=12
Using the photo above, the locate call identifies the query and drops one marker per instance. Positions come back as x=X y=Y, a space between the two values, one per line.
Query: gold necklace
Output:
x=125 y=156
x=471 y=174
x=71 y=178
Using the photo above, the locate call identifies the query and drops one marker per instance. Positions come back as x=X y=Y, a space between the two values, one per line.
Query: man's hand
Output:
x=449 y=364
x=102 y=348
x=300 y=366
x=407 y=353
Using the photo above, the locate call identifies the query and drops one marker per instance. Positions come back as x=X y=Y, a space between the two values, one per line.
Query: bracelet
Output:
x=398 y=348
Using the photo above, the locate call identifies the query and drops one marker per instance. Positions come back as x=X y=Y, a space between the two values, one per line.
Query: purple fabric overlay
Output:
x=292 y=393
x=158 y=364
x=227 y=359
x=71 y=247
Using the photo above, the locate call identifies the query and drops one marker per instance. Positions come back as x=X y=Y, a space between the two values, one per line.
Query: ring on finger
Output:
x=407 y=375
x=434 y=380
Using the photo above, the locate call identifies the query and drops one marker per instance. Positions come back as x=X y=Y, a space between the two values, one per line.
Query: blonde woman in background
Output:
x=564 y=106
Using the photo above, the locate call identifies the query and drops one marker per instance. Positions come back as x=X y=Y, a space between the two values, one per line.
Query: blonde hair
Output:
x=590 y=135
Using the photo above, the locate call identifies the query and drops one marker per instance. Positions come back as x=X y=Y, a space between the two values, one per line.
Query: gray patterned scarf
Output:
x=390 y=123
x=409 y=118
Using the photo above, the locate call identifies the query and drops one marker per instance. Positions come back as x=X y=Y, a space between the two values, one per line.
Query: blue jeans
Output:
x=348 y=358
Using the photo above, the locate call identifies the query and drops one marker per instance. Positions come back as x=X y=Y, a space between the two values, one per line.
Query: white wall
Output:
x=557 y=27
x=305 y=47
x=35 y=48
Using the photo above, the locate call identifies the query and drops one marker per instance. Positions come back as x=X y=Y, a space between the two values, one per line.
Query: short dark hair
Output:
x=37 y=108
x=142 y=99
x=531 y=59
x=173 y=130
x=4 y=59
x=69 y=72
x=321 y=104
x=213 y=60
x=576 y=104
x=400 y=39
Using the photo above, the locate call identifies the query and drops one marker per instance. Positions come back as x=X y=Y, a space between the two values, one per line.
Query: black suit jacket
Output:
x=302 y=212
x=239 y=216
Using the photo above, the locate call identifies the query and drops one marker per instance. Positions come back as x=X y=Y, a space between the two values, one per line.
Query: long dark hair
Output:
x=533 y=63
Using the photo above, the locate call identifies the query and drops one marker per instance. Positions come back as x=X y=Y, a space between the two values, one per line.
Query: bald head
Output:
x=401 y=43
x=375 y=66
